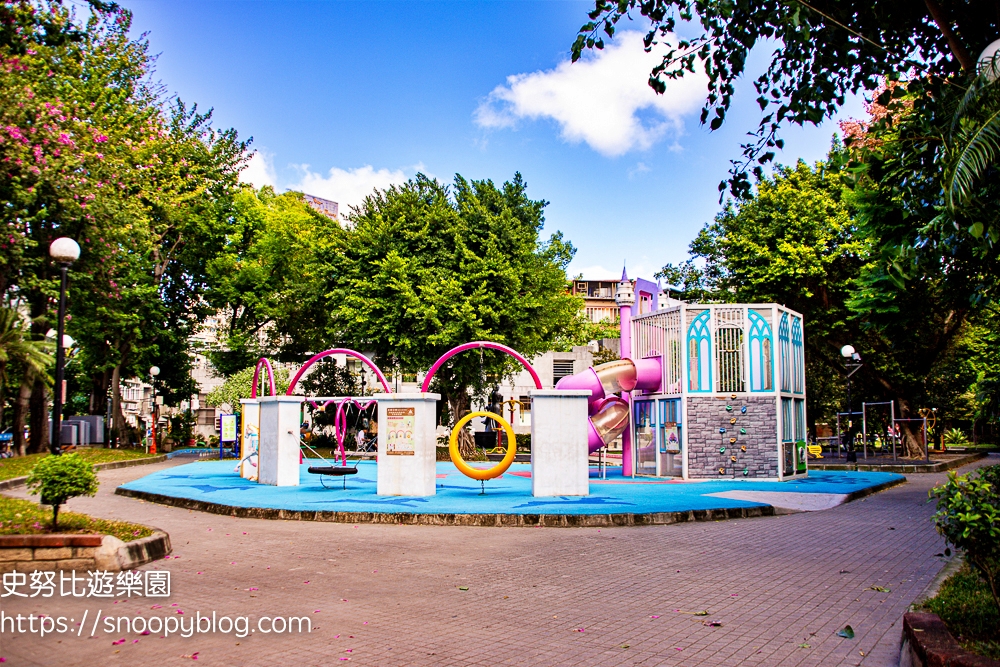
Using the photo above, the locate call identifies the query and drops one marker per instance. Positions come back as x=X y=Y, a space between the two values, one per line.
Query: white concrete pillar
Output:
x=249 y=435
x=278 y=455
x=406 y=444
x=559 y=451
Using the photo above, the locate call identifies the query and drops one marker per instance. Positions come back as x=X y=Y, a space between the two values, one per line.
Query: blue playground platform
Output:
x=214 y=486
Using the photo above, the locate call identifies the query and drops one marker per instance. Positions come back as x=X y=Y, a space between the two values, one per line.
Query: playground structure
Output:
x=706 y=391
x=880 y=435
x=701 y=392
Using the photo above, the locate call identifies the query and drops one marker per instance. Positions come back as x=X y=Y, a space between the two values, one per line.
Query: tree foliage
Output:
x=91 y=149
x=823 y=51
x=239 y=385
x=794 y=242
x=424 y=267
x=270 y=277
x=59 y=478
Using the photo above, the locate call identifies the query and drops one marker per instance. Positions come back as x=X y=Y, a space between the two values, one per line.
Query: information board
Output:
x=399 y=440
x=228 y=428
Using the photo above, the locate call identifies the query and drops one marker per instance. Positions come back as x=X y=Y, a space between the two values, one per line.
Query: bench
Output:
x=815 y=451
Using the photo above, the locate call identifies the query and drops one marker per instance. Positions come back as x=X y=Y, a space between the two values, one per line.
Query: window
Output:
x=786 y=419
x=700 y=354
x=784 y=354
x=561 y=368
x=798 y=357
x=761 y=361
x=800 y=419
x=729 y=349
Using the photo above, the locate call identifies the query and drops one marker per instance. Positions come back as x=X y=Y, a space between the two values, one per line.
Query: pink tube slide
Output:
x=609 y=414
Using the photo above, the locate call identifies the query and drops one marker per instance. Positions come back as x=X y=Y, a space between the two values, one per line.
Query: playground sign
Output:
x=399 y=431
x=228 y=428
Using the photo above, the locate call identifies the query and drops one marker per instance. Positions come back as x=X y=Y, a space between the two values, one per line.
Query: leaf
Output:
x=805 y=646
x=847 y=632
x=878 y=589
x=701 y=613
x=463 y=588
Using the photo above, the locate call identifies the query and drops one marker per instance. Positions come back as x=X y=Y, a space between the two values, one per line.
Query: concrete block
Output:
x=19 y=553
x=559 y=451
x=56 y=553
x=407 y=444
x=278 y=459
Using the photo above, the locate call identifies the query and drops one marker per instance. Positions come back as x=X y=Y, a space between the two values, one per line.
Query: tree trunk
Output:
x=99 y=393
x=117 y=417
x=458 y=405
x=39 y=420
x=20 y=412
x=911 y=432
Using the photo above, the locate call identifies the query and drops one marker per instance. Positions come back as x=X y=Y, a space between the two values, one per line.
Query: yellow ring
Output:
x=476 y=473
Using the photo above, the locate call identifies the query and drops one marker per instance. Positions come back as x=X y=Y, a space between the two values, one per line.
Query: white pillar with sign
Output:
x=559 y=453
x=249 y=438
x=407 y=442
x=278 y=455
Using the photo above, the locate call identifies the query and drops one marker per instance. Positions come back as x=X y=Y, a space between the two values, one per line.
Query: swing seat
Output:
x=333 y=471
x=336 y=471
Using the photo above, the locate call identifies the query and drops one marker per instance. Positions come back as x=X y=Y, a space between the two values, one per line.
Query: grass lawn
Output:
x=26 y=517
x=20 y=466
x=965 y=605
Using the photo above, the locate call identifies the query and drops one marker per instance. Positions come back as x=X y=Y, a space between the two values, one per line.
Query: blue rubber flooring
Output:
x=216 y=482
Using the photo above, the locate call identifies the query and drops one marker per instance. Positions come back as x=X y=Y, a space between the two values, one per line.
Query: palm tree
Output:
x=16 y=347
x=973 y=144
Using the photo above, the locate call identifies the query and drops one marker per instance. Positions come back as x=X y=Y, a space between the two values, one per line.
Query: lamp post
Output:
x=853 y=363
x=153 y=372
x=65 y=251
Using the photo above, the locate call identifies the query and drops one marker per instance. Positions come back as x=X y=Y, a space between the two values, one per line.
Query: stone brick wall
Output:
x=707 y=414
x=49 y=552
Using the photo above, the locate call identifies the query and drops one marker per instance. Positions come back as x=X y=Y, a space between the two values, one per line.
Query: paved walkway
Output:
x=392 y=595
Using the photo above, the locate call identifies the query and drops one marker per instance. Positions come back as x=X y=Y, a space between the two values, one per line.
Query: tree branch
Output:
x=957 y=48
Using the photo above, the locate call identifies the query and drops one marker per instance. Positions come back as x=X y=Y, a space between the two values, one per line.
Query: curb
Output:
x=927 y=642
x=139 y=552
x=870 y=490
x=15 y=482
x=496 y=520
x=940 y=466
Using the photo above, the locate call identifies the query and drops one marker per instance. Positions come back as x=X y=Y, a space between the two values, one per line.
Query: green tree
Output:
x=793 y=242
x=424 y=268
x=239 y=385
x=94 y=151
x=822 y=51
x=269 y=279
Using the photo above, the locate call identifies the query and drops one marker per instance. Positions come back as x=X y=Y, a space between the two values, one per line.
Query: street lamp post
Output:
x=65 y=251
x=853 y=363
x=153 y=372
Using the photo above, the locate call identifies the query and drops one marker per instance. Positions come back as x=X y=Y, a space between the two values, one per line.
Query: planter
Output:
x=26 y=553
x=927 y=643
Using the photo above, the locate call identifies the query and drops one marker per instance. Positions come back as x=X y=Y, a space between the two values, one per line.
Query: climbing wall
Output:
x=732 y=436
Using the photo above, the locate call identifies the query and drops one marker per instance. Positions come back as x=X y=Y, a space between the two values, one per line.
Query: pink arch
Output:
x=340 y=423
x=474 y=346
x=339 y=350
x=256 y=376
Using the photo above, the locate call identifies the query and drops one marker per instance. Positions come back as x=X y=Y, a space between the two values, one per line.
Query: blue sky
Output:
x=342 y=97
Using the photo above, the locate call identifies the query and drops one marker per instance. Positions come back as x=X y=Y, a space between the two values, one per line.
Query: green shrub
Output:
x=955 y=437
x=523 y=442
x=968 y=517
x=59 y=478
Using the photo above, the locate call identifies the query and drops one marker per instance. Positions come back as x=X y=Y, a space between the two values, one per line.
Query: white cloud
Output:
x=259 y=171
x=602 y=99
x=348 y=187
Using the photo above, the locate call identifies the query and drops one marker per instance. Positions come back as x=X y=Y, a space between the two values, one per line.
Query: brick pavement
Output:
x=389 y=595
